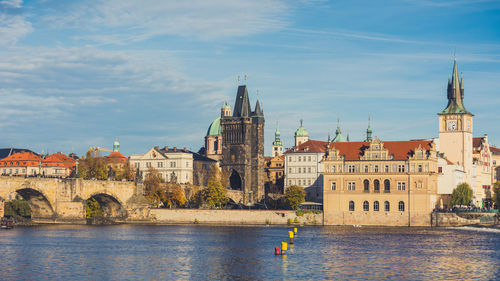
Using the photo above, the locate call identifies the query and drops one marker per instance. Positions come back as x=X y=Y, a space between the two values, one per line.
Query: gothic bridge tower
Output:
x=243 y=148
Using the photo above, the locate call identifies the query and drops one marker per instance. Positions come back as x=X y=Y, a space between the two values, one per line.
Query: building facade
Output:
x=380 y=183
x=482 y=163
x=213 y=138
x=30 y=164
x=303 y=167
x=275 y=173
x=243 y=148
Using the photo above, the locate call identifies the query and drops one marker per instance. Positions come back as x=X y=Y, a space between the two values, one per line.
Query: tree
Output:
x=90 y=167
x=462 y=195
x=214 y=195
x=92 y=209
x=496 y=195
x=154 y=188
x=125 y=172
x=175 y=196
x=295 y=195
x=17 y=208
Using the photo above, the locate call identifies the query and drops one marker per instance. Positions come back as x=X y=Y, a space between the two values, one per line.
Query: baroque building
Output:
x=243 y=148
x=277 y=148
x=213 y=138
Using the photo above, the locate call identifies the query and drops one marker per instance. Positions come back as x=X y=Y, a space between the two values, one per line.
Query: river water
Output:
x=198 y=252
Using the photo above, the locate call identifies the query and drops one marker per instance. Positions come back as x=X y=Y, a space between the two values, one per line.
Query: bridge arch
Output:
x=39 y=204
x=235 y=181
x=111 y=206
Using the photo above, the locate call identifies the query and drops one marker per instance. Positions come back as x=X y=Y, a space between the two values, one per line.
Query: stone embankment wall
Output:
x=452 y=219
x=234 y=217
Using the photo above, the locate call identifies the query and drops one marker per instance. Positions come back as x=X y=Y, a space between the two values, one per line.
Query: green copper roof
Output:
x=455 y=94
x=301 y=132
x=338 y=134
x=116 y=146
x=226 y=106
x=215 y=128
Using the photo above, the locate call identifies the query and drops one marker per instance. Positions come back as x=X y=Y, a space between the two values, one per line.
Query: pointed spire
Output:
x=277 y=133
x=242 y=103
x=258 y=110
x=347 y=136
x=369 y=131
x=455 y=93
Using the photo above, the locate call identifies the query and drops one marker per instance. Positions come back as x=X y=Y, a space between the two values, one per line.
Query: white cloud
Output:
x=190 y=18
x=12 y=3
x=13 y=28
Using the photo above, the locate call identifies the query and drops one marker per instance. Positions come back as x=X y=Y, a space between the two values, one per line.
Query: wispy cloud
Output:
x=116 y=21
x=12 y=3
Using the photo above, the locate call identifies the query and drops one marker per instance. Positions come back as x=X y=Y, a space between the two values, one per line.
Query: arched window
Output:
x=387 y=206
x=366 y=206
x=401 y=206
x=387 y=186
x=366 y=184
x=375 y=206
x=351 y=205
x=366 y=169
x=376 y=185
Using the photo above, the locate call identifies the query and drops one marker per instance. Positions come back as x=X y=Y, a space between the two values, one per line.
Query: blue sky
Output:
x=75 y=74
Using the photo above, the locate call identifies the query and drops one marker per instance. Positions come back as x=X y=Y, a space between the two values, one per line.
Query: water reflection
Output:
x=246 y=253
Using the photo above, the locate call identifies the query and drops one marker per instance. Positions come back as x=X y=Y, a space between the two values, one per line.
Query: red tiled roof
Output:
x=476 y=142
x=310 y=146
x=59 y=160
x=495 y=150
x=21 y=159
x=116 y=157
x=400 y=149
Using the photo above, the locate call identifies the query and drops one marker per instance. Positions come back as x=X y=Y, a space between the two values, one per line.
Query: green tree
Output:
x=214 y=195
x=496 y=195
x=92 y=209
x=125 y=172
x=461 y=195
x=295 y=195
x=154 y=188
x=17 y=208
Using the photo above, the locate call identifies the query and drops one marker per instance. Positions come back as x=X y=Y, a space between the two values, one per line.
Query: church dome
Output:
x=215 y=128
x=301 y=131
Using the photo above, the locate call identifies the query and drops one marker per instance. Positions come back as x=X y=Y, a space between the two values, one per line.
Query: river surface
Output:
x=200 y=252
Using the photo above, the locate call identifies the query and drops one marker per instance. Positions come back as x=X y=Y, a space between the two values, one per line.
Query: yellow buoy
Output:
x=290 y=234
x=284 y=246
x=295 y=230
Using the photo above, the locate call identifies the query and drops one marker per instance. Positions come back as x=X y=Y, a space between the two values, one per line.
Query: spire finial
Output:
x=301 y=121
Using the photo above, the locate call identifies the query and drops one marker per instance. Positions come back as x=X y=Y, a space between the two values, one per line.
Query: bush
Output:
x=289 y=221
x=295 y=195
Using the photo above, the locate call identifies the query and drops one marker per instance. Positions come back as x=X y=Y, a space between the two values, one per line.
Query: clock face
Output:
x=452 y=125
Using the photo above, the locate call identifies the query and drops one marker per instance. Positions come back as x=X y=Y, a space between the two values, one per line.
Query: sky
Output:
x=78 y=74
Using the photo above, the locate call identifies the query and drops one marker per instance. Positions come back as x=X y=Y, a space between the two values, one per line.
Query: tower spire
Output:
x=455 y=93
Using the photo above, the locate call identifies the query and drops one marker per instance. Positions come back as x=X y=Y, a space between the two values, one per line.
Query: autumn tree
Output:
x=90 y=167
x=295 y=195
x=125 y=172
x=214 y=195
x=154 y=187
x=175 y=196
x=496 y=193
x=461 y=195
x=92 y=209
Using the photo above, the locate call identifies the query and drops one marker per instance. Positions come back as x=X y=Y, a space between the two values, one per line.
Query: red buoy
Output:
x=277 y=251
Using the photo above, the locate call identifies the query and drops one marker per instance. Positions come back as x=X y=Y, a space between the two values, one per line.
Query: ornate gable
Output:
x=376 y=151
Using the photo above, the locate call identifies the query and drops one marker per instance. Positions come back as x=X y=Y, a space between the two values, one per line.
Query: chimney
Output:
x=175 y=149
x=166 y=148
x=185 y=150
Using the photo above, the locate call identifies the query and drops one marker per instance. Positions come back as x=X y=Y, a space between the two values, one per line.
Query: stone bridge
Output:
x=64 y=199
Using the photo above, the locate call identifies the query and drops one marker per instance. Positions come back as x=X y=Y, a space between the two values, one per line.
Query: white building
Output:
x=303 y=167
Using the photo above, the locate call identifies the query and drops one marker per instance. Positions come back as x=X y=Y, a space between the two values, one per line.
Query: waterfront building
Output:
x=31 y=164
x=115 y=159
x=449 y=176
x=495 y=168
x=274 y=170
x=303 y=167
x=481 y=172
x=380 y=183
x=243 y=148
x=173 y=164
x=213 y=138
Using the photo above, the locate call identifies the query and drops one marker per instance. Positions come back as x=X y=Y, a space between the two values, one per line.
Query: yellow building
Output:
x=380 y=183
x=274 y=169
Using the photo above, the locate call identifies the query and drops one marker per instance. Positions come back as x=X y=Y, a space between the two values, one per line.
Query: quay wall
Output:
x=452 y=219
x=232 y=217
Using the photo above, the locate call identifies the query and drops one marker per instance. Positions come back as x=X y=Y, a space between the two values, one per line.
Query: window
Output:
x=375 y=206
x=187 y=164
x=309 y=169
x=366 y=206
x=148 y=164
x=290 y=182
x=387 y=186
x=387 y=206
x=386 y=169
x=440 y=169
x=351 y=186
x=333 y=169
x=333 y=185
x=401 y=206
x=366 y=185
x=172 y=164
x=160 y=164
x=309 y=158
x=290 y=158
x=299 y=170
x=376 y=185
x=401 y=168
x=420 y=168
x=351 y=168
x=401 y=185
x=309 y=182
x=376 y=168
x=366 y=169
x=351 y=206
x=299 y=158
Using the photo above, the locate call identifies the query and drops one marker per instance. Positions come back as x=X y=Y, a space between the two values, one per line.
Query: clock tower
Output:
x=455 y=127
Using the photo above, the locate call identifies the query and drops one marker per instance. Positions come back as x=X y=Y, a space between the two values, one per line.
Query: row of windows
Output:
x=301 y=170
x=376 y=185
x=376 y=168
x=387 y=206
x=302 y=158
x=173 y=164
x=301 y=182
x=16 y=171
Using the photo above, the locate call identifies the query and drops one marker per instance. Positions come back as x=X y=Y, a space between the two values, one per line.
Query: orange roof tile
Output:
x=310 y=146
x=116 y=157
x=400 y=149
x=24 y=159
